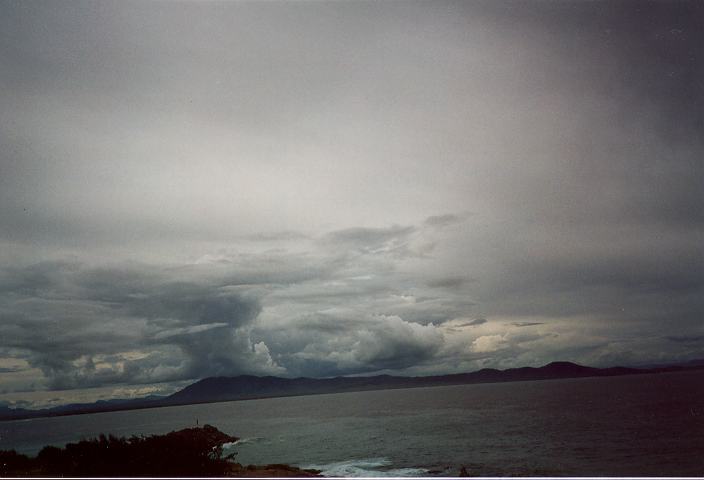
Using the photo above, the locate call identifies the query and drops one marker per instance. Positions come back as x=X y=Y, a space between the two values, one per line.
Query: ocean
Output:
x=639 y=425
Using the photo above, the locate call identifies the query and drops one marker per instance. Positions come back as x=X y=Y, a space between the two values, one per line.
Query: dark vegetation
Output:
x=188 y=452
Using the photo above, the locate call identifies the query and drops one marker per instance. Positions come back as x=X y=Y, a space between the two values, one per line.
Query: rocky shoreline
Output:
x=191 y=452
x=269 y=471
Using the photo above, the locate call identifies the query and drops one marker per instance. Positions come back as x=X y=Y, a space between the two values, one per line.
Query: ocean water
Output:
x=641 y=425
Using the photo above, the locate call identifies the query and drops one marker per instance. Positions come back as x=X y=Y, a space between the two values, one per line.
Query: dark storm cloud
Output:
x=134 y=291
x=86 y=326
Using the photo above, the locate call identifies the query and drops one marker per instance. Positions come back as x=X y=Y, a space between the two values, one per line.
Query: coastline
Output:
x=553 y=371
x=190 y=452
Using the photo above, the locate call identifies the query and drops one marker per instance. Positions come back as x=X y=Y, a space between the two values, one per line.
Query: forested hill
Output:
x=216 y=389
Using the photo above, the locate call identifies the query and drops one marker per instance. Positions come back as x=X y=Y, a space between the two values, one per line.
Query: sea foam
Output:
x=366 y=467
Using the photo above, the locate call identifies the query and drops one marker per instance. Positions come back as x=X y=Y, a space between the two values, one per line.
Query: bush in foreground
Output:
x=188 y=452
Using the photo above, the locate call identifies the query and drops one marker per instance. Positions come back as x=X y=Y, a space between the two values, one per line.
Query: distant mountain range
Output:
x=243 y=387
x=9 y=413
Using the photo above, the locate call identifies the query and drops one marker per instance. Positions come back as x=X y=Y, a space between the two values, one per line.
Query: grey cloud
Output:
x=448 y=282
x=65 y=317
x=400 y=346
x=372 y=240
x=645 y=280
x=647 y=56
x=188 y=330
x=334 y=344
x=338 y=291
x=435 y=310
x=474 y=323
x=139 y=323
x=11 y=369
x=526 y=324
x=276 y=236
x=442 y=220
x=686 y=338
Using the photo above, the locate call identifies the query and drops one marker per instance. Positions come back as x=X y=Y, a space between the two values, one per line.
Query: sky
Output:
x=319 y=188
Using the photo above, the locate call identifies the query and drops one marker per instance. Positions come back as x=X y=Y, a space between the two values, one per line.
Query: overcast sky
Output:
x=191 y=189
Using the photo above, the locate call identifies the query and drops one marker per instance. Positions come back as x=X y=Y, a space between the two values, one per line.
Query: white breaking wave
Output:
x=229 y=447
x=366 y=467
x=241 y=441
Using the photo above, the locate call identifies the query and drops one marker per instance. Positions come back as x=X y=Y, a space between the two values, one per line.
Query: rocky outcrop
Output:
x=191 y=452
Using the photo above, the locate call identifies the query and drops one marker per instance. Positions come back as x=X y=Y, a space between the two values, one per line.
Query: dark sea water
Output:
x=641 y=425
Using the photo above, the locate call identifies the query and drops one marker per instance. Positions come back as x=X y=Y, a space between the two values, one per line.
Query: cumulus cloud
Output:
x=300 y=309
x=327 y=313
x=84 y=326
x=348 y=342
x=488 y=343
